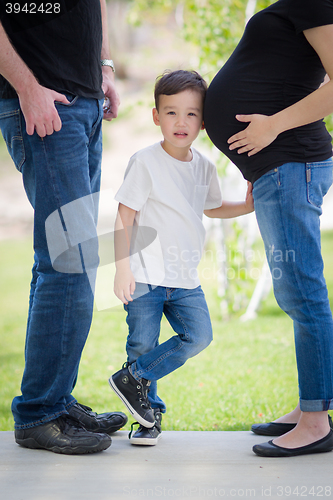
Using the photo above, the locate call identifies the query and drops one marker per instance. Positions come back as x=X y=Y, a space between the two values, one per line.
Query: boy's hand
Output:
x=124 y=285
x=249 y=203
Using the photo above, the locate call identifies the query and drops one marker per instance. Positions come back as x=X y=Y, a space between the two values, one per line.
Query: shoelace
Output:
x=142 y=392
x=87 y=410
x=67 y=422
x=131 y=431
x=143 y=397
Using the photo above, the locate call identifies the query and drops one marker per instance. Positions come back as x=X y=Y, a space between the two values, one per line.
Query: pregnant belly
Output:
x=230 y=94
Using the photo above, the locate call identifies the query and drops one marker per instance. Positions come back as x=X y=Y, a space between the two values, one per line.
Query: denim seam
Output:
x=94 y=127
x=51 y=173
x=152 y=365
x=8 y=114
x=171 y=351
x=175 y=310
x=61 y=366
x=69 y=405
x=19 y=116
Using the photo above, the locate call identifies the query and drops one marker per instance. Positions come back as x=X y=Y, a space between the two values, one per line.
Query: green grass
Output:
x=246 y=375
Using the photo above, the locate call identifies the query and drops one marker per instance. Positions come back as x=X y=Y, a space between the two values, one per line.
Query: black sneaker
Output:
x=63 y=435
x=147 y=437
x=134 y=395
x=104 y=422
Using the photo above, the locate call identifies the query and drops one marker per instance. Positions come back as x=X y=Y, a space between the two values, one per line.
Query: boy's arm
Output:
x=230 y=209
x=124 y=282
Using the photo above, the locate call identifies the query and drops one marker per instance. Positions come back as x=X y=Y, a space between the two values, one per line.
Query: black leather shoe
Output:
x=272 y=450
x=63 y=435
x=277 y=429
x=134 y=394
x=104 y=422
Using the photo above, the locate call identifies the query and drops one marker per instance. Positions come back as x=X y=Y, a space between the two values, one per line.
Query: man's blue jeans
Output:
x=187 y=313
x=56 y=170
x=288 y=202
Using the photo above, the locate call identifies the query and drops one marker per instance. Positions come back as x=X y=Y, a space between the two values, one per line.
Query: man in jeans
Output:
x=55 y=69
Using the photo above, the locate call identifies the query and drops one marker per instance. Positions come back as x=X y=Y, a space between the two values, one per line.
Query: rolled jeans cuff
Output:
x=316 y=405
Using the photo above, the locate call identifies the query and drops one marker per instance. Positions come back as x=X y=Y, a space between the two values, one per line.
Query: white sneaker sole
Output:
x=136 y=415
x=145 y=441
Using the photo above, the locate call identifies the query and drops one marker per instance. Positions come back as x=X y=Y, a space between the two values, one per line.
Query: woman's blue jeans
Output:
x=288 y=202
x=57 y=170
x=187 y=313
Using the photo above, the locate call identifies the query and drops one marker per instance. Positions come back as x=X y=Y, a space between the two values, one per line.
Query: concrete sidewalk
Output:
x=183 y=465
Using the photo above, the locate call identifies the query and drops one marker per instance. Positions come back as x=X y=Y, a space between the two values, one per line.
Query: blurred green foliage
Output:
x=214 y=26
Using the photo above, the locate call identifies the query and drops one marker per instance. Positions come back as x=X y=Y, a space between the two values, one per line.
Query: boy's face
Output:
x=180 y=118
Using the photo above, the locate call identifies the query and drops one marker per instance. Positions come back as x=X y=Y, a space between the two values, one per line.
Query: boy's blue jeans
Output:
x=187 y=313
x=56 y=170
x=288 y=202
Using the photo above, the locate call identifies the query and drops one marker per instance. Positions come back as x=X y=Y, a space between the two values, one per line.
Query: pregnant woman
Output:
x=264 y=110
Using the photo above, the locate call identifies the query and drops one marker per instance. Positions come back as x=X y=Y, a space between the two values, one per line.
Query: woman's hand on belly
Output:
x=256 y=136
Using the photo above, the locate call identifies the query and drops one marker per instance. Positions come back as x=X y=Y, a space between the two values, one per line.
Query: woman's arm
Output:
x=263 y=130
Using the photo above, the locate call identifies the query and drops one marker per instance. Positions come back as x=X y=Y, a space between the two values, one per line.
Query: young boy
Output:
x=167 y=187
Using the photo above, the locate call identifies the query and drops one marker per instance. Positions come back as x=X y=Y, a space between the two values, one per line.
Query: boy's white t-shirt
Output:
x=169 y=197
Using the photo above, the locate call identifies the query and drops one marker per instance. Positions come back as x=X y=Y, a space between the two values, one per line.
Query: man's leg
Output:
x=55 y=172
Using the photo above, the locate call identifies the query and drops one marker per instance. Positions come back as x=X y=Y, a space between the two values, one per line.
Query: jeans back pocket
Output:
x=11 y=128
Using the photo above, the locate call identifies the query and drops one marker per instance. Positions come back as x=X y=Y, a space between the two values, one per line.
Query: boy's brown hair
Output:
x=173 y=82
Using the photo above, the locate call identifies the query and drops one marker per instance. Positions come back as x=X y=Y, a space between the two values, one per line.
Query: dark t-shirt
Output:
x=59 y=41
x=272 y=67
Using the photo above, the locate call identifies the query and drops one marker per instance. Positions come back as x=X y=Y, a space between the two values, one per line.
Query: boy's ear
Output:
x=156 y=118
x=202 y=126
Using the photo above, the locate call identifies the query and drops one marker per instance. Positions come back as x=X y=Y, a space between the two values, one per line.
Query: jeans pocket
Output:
x=70 y=97
x=11 y=128
x=319 y=178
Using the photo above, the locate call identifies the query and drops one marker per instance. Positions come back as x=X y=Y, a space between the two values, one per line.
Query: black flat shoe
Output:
x=272 y=450
x=277 y=429
x=272 y=429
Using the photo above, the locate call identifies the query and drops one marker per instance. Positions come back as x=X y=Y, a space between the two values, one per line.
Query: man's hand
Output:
x=124 y=285
x=111 y=94
x=39 y=111
x=256 y=136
